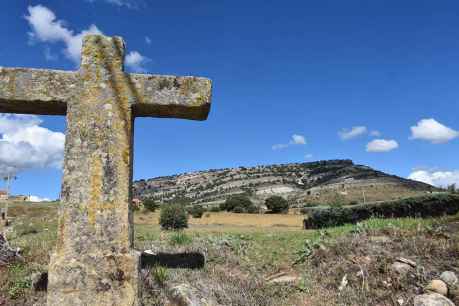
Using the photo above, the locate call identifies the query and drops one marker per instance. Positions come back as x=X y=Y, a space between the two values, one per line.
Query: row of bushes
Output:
x=175 y=216
x=427 y=206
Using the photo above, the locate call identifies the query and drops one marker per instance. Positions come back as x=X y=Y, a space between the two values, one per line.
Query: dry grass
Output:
x=224 y=219
x=242 y=250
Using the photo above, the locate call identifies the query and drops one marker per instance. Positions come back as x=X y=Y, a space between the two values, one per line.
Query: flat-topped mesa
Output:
x=94 y=263
x=47 y=92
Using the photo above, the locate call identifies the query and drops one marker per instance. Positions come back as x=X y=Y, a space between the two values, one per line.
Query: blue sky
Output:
x=280 y=69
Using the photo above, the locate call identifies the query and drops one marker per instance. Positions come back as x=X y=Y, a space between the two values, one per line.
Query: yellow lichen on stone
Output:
x=96 y=189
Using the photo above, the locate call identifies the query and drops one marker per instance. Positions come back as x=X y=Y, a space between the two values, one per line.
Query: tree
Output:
x=239 y=204
x=196 y=211
x=150 y=204
x=277 y=204
x=173 y=216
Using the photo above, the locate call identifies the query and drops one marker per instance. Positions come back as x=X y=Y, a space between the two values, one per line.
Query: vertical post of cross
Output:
x=94 y=247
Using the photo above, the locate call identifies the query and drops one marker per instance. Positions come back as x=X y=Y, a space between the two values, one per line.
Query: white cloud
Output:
x=34 y=198
x=24 y=144
x=147 y=40
x=381 y=145
x=436 y=178
x=49 y=56
x=346 y=134
x=136 y=61
x=47 y=29
x=308 y=156
x=132 y=4
x=279 y=146
x=296 y=140
x=433 y=131
x=375 y=133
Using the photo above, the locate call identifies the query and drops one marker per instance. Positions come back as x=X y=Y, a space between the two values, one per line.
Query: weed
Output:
x=179 y=238
x=160 y=274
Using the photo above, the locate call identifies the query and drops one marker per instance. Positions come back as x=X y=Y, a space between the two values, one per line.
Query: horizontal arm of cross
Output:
x=36 y=91
x=47 y=92
x=171 y=97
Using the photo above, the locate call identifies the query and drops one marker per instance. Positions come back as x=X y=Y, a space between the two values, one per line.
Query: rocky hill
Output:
x=301 y=183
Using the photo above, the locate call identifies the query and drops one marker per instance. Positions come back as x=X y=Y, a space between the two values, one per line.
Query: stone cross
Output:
x=94 y=263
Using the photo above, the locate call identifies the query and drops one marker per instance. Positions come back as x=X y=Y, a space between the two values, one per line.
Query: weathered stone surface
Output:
x=437 y=286
x=93 y=263
x=432 y=299
x=449 y=278
x=39 y=281
x=401 y=268
x=169 y=96
x=7 y=254
x=185 y=295
x=36 y=91
x=406 y=261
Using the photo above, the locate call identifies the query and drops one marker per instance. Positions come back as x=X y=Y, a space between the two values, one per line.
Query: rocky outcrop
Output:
x=7 y=254
x=297 y=181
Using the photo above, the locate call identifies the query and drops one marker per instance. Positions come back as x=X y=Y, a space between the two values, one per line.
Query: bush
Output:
x=277 y=204
x=173 y=216
x=427 y=206
x=150 y=205
x=196 y=211
x=215 y=209
x=239 y=204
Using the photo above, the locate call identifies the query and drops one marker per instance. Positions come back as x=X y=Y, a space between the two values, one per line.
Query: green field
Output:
x=243 y=258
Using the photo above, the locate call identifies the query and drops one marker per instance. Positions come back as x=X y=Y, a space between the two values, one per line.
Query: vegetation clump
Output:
x=150 y=204
x=196 y=211
x=277 y=204
x=239 y=204
x=173 y=217
x=423 y=207
x=179 y=238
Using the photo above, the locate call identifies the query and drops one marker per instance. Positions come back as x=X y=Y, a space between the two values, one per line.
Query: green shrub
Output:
x=277 y=204
x=423 y=207
x=150 y=205
x=196 y=211
x=215 y=209
x=159 y=274
x=173 y=216
x=239 y=204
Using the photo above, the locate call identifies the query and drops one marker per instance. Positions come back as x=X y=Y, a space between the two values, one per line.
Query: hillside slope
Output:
x=300 y=183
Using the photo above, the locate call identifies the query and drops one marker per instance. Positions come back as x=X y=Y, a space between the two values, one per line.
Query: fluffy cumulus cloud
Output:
x=381 y=145
x=436 y=178
x=433 y=131
x=24 y=144
x=295 y=140
x=136 y=61
x=46 y=28
x=298 y=139
x=346 y=134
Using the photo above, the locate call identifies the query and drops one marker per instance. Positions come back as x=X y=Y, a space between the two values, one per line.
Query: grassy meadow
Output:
x=257 y=259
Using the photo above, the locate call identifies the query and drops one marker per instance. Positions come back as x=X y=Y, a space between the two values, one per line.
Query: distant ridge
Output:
x=310 y=182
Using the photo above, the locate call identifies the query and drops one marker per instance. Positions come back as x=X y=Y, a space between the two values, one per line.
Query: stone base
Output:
x=107 y=279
